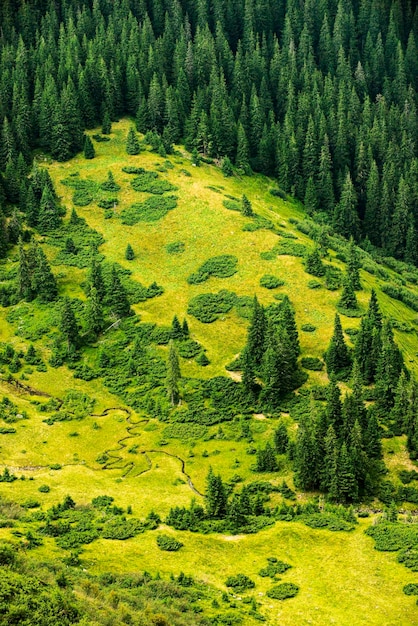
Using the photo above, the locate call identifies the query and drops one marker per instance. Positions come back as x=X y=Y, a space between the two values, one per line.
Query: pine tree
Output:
x=185 y=329
x=389 y=368
x=346 y=220
x=353 y=266
x=256 y=335
x=49 y=217
x=107 y=124
x=347 y=487
x=333 y=409
x=313 y=263
x=132 y=143
x=95 y=279
x=89 y=151
x=227 y=169
x=68 y=326
x=348 y=300
x=235 y=517
x=173 y=375
x=216 y=498
x=306 y=455
x=129 y=253
x=246 y=208
x=281 y=438
x=329 y=470
x=93 y=313
x=176 y=329
x=43 y=282
x=266 y=459
x=24 y=288
x=117 y=296
x=337 y=357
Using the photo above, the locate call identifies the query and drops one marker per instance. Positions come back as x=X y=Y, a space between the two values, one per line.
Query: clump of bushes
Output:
x=147 y=182
x=108 y=203
x=271 y=282
x=222 y=266
x=240 y=583
x=169 y=544
x=273 y=568
x=208 y=307
x=131 y=169
x=151 y=210
x=308 y=328
x=188 y=348
x=177 y=247
x=283 y=591
x=110 y=184
x=82 y=197
x=312 y=363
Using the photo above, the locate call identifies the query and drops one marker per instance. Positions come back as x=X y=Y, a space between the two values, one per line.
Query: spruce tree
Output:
x=117 y=296
x=24 y=288
x=347 y=486
x=333 y=409
x=353 y=266
x=89 y=151
x=176 y=329
x=43 y=283
x=129 y=253
x=68 y=326
x=173 y=375
x=329 y=470
x=313 y=263
x=266 y=459
x=95 y=279
x=49 y=217
x=227 y=169
x=93 y=313
x=256 y=335
x=246 y=208
x=281 y=438
x=348 y=300
x=132 y=143
x=216 y=498
x=306 y=455
x=107 y=124
x=337 y=357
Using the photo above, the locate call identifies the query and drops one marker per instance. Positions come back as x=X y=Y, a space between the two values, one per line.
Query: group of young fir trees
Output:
x=320 y=94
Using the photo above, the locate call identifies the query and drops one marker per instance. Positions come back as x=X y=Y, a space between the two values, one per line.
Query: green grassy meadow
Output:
x=343 y=580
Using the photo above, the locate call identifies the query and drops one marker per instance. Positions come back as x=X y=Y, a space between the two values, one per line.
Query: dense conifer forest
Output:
x=208 y=305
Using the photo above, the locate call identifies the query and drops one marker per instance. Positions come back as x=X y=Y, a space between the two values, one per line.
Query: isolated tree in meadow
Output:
x=132 y=143
x=313 y=263
x=129 y=253
x=173 y=375
x=348 y=298
x=246 y=207
x=176 y=329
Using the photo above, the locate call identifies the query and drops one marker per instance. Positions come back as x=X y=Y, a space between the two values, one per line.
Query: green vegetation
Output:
x=219 y=266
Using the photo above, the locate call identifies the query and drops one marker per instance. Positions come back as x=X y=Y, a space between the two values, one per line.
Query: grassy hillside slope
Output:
x=343 y=580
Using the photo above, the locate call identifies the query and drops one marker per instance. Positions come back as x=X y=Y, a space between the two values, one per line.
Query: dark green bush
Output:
x=289 y=248
x=232 y=205
x=411 y=589
x=222 y=266
x=147 y=182
x=283 y=591
x=271 y=282
x=274 y=568
x=312 y=363
x=131 y=169
x=188 y=348
x=100 y=138
x=108 y=203
x=208 y=307
x=169 y=544
x=120 y=528
x=258 y=223
x=151 y=210
x=44 y=489
x=308 y=328
x=82 y=198
x=240 y=583
x=278 y=193
x=177 y=247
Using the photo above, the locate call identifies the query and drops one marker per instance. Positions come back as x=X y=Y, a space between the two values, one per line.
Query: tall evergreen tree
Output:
x=173 y=375
x=216 y=498
x=132 y=143
x=337 y=357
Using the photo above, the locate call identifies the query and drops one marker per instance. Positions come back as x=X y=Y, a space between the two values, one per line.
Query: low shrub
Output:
x=120 y=528
x=82 y=198
x=314 y=284
x=169 y=544
x=151 y=210
x=271 y=282
x=188 y=348
x=100 y=138
x=283 y=591
x=176 y=247
x=147 y=182
x=44 y=489
x=108 y=204
x=185 y=431
x=273 y=568
x=222 y=266
x=131 y=169
x=208 y=307
x=232 y=205
x=411 y=589
x=308 y=328
x=290 y=248
x=312 y=363
x=240 y=583
x=278 y=193
x=258 y=223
